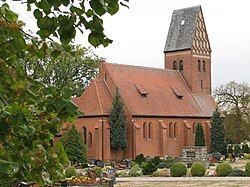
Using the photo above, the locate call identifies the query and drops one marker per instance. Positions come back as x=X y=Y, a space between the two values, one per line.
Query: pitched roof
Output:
x=160 y=85
x=95 y=100
x=182 y=29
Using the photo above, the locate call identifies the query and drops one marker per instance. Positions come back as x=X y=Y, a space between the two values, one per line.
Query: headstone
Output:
x=191 y=154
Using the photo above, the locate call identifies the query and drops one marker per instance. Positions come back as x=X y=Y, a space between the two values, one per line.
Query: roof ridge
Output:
x=191 y=7
x=136 y=66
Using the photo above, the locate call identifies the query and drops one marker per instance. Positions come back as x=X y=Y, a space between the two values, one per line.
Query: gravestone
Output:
x=192 y=154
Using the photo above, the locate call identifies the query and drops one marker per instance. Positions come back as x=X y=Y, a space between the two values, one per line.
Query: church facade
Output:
x=162 y=106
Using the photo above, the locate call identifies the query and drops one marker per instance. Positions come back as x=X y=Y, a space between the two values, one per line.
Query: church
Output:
x=162 y=106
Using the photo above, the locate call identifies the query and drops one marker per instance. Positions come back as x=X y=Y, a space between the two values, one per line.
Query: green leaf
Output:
x=98 y=7
x=55 y=53
x=60 y=103
x=43 y=4
x=11 y=16
x=8 y=167
x=37 y=14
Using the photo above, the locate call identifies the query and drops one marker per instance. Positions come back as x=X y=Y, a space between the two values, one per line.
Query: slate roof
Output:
x=160 y=100
x=181 y=33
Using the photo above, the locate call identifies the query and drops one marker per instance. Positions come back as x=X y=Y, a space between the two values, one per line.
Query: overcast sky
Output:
x=140 y=33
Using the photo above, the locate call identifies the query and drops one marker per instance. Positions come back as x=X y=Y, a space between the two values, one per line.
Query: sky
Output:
x=140 y=32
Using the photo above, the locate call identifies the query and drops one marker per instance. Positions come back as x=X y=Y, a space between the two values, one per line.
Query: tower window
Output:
x=105 y=76
x=181 y=65
x=145 y=130
x=170 y=131
x=175 y=130
x=174 y=65
x=90 y=139
x=84 y=135
x=201 y=84
x=204 y=65
x=199 y=65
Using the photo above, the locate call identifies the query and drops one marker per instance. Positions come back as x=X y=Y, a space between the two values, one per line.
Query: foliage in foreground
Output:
x=31 y=112
x=247 y=169
x=74 y=147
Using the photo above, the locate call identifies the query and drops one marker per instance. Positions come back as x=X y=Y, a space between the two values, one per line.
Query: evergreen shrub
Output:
x=245 y=148
x=223 y=169
x=197 y=169
x=178 y=169
x=71 y=171
x=247 y=169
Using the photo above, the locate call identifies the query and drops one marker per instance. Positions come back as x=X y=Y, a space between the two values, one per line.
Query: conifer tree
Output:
x=118 y=139
x=74 y=147
x=217 y=134
x=199 y=136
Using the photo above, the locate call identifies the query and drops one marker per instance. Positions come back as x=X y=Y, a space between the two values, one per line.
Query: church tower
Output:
x=188 y=49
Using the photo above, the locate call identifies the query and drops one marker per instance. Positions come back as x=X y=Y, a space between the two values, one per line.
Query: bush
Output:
x=148 y=168
x=247 y=169
x=161 y=173
x=139 y=159
x=197 y=169
x=237 y=173
x=178 y=169
x=62 y=155
x=71 y=171
x=135 y=171
x=98 y=171
x=223 y=169
x=246 y=156
x=156 y=160
x=123 y=173
x=245 y=148
x=237 y=149
x=230 y=149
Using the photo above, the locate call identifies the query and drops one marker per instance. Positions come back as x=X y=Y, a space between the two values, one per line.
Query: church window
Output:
x=181 y=65
x=90 y=139
x=170 y=132
x=199 y=65
x=201 y=84
x=150 y=130
x=175 y=130
x=145 y=130
x=204 y=65
x=174 y=65
x=194 y=126
x=84 y=135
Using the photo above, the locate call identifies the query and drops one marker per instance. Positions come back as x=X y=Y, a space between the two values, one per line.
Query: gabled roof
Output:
x=162 y=87
x=161 y=99
x=182 y=29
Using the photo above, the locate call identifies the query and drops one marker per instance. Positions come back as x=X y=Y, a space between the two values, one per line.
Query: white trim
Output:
x=201 y=56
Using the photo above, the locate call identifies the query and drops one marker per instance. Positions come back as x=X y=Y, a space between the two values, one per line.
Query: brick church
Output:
x=162 y=106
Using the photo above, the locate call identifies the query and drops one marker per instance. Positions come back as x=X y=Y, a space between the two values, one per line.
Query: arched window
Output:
x=204 y=65
x=170 y=131
x=181 y=65
x=90 y=139
x=199 y=65
x=201 y=84
x=84 y=135
x=150 y=130
x=175 y=130
x=145 y=130
x=194 y=126
x=174 y=65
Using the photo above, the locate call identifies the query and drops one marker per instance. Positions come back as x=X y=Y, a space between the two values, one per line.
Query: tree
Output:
x=62 y=18
x=234 y=99
x=73 y=69
x=217 y=134
x=74 y=147
x=32 y=112
x=118 y=139
x=199 y=135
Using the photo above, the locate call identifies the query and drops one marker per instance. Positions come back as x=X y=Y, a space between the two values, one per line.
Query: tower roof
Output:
x=182 y=29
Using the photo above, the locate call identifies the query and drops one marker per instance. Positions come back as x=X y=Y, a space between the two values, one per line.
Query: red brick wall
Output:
x=190 y=71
